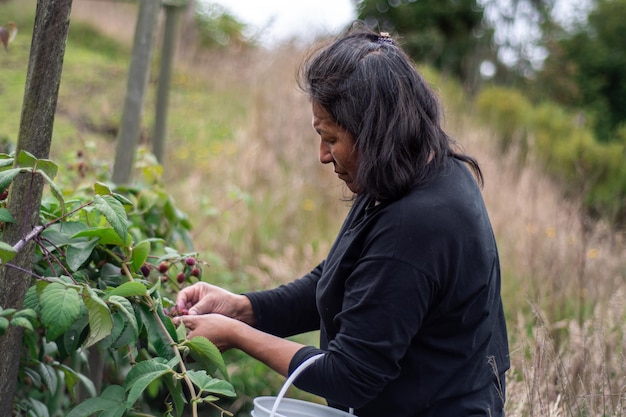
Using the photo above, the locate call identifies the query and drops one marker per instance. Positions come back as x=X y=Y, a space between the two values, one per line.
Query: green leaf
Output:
x=107 y=236
x=26 y=159
x=156 y=337
x=125 y=201
x=47 y=167
x=176 y=391
x=140 y=254
x=7 y=311
x=22 y=322
x=27 y=313
x=113 y=397
x=128 y=289
x=207 y=354
x=7 y=252
x=6 y=161
x=6 y=177
x=114 y=212
x=5 y=216
x=130 y=331
x=56 y=191
x=48 y=375
x=77 y=253
x=211 y=385
x=4 y=324
x=101 y=188
x=72 y=378
x=142 y=375
x=60 y=306
x=74 y=337
x=100 y=321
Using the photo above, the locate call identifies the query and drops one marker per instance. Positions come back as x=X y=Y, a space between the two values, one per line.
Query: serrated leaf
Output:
x=112 y=397
x=128 y=289
x=114 y=212
x=101 y=188
x=7 y=177
x=100 y=321
x=60 y=307
x=142 y=375
x=207 y=354
x=7 y=252
x=140 y=254
x=77 y=253
x=211 y=385
x=5 y=216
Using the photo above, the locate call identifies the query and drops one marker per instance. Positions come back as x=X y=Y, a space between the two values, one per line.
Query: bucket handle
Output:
x=290 y=380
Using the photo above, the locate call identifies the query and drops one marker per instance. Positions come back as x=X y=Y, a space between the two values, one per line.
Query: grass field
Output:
x=242 y=161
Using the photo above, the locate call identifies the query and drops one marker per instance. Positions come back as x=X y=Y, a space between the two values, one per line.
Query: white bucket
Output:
x=287 y=407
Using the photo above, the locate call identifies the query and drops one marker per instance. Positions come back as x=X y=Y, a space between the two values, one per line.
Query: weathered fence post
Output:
x=47 y=52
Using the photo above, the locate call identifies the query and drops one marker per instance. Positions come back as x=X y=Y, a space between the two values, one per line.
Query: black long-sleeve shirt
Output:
x=408 y=306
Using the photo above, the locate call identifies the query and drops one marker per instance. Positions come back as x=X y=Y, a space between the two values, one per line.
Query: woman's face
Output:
x=337 y=145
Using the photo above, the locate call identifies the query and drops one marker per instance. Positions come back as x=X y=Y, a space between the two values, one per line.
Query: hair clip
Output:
x=385 y=38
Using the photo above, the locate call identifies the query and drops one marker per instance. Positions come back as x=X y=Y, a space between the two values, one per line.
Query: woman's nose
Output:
x=325 y=154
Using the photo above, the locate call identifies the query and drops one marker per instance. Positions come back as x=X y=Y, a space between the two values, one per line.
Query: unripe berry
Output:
x=164 y=267
x=190 y=261
x=164 y=278
x=181 y=277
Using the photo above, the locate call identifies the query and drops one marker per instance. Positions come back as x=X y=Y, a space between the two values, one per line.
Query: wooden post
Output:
x=47 y=52
x=165 y=75
x=138 y=75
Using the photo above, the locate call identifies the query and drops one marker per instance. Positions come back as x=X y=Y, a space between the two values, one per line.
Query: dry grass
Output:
x=261 y=200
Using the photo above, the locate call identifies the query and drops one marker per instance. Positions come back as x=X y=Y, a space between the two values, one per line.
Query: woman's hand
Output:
x=219 y=329
x=204 y=298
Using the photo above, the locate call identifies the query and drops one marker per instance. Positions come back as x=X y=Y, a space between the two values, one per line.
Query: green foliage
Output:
x=587 y=168
x=586 y=69
x=218 y=28
x=446 y=34
x=507 y=112
x=97 y=285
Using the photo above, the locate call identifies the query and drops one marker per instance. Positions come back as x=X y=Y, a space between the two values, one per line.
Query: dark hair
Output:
x=371 y=88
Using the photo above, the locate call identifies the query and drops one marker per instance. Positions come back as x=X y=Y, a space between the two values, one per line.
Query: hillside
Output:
x=242 y=162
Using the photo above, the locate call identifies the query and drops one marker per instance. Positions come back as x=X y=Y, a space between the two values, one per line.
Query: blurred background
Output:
x=535 y=89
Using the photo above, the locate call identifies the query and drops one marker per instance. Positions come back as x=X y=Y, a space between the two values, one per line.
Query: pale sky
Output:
x=278 y=20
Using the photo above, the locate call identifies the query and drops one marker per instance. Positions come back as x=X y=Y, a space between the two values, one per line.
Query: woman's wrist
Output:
x=244 y=311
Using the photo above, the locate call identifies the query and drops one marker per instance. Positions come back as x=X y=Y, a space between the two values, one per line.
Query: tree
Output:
x=448 y=34
x=35 y=136
x=585 y=69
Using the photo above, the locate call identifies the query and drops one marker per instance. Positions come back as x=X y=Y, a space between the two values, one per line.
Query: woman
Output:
x=408 y=299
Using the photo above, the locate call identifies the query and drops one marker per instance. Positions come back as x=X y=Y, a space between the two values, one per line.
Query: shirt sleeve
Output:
x=384 y=306
x=288 y=309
